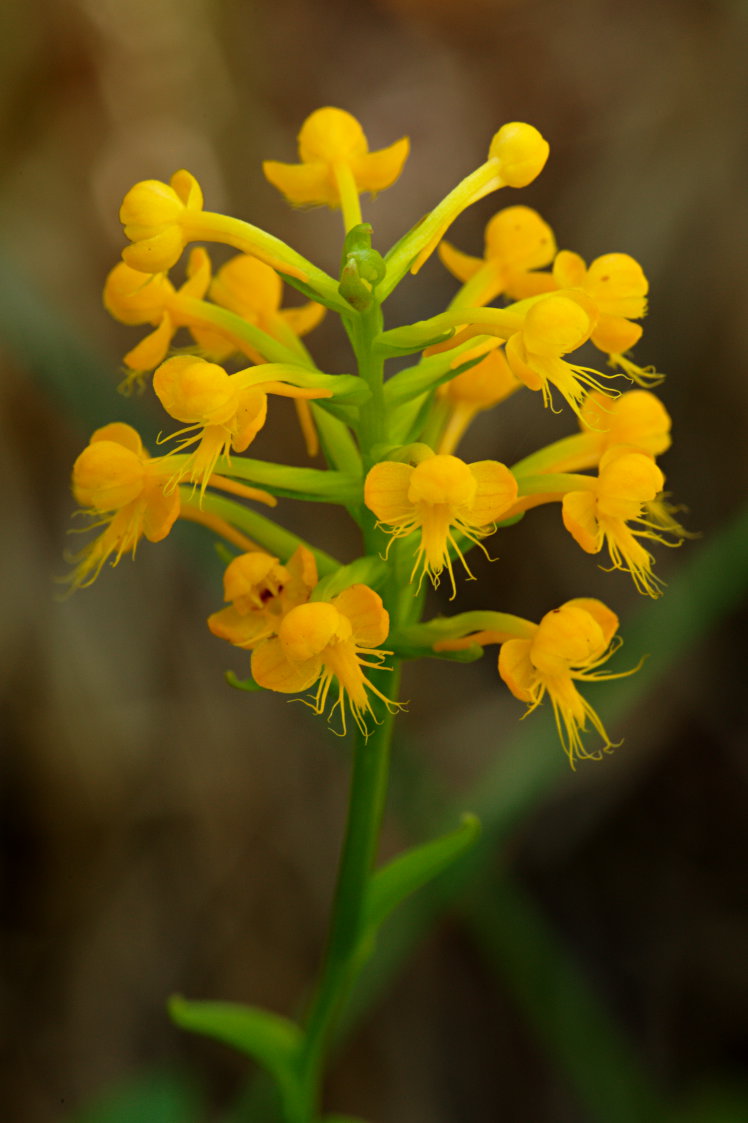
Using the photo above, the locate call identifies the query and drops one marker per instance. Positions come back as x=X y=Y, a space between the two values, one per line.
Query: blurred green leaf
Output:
x=713 y=1103
x=155 y=1097
x=272 y=1041
x=414 y=869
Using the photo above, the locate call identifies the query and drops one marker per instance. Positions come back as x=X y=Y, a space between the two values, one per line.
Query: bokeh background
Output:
x=163 y=833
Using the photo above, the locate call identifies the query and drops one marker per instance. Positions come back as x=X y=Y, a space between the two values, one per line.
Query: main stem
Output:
x=343 y=955
x=346 y=942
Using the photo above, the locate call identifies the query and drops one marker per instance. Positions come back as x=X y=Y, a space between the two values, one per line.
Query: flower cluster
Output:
x=517 y=323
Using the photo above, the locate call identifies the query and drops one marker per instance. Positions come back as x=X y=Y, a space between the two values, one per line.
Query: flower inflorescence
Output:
x=516 y=323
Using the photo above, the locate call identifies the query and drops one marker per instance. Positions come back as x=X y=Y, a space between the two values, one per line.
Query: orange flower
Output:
x=326 y=642
x=438 y=497
x=123 y=489
x=262 y=592
x=568 y=645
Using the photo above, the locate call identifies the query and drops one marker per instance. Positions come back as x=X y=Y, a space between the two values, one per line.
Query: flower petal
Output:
x=579 y=512
x=272 y=669
x=369 y=619
x=516 y=669
x=600 y=612
x=386 y=491
x=496 y=492
x=377 y=170
x=304 y=185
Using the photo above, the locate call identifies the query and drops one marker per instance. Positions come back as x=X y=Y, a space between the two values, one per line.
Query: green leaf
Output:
x=158 y=1097
x=415 y=868
x=412 y=337
x=340 y=449
x=271 y=1040
x=308 y=484
x=369 y=570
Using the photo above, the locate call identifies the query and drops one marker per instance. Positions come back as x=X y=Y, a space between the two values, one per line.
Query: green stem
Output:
x=373 y=413
x=343 y=958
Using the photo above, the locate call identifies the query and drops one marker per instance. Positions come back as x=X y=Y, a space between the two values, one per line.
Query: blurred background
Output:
x=162 y=833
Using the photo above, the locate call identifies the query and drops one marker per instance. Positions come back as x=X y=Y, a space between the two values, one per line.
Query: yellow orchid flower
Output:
x=517 y=243
x=133 y=297
x=600 y=514
x=160 y=219
x=567 y=646
x=224 y=412
x=618 y=288
x=555 y=325
x=261 y=591
x=636 y=418
x=121 y=487
x=156 y=219
x=326 y=642
x=439 y=497
x=336 y=165
x=250 y=288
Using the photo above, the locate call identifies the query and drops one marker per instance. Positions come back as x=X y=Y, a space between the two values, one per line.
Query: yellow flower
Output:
x=326 y=642
x=261 y=592
x=636 y=418
x=518 y=242
x=616 y=285
x=568 y=645
x=154 y=216
x=133 y=297
x=336 y=164
x=627 y=482
x=160 y=219
x=554 y=326
x=330 y=140
x=250 y=288
x=224 y=412
x=479 y=388
x=123 y=489
x=439 y=497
